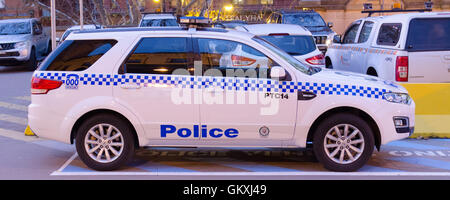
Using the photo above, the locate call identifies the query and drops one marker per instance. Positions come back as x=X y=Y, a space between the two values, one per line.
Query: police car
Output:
x=112 y=91
x=413 y=47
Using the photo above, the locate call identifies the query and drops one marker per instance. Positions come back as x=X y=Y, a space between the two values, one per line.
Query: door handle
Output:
x=303 y=95
x=130 y=86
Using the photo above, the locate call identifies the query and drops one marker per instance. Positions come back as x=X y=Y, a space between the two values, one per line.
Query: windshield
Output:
x=15 y=28
x=159 y=22
x=293 y=45
x=291 y=60
x=304 y=19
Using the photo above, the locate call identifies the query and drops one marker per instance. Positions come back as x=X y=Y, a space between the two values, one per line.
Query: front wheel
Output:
x=343 y=142
x=32 y=61
x=105 y=142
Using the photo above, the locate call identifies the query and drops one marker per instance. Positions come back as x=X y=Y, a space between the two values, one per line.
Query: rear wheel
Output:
x=105 y=142
x=343 y=142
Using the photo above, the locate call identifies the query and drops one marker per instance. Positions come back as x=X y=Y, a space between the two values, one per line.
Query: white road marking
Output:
x=67 y=163
x=17 y=135
x=60 y=172
x=26 y=98
x=344 y=174
x=13 y=106
x=14 y=119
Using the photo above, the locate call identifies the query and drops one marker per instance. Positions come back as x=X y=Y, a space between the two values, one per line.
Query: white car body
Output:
x=40 y=41
x=290 y=29
x=149 y=105
x=159 y=17
x=378 y=59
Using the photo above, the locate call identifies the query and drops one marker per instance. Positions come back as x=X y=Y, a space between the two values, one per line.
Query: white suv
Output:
x=412 y=47
x=112 y=91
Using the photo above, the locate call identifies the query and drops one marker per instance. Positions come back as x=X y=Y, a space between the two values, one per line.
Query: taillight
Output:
x=42 y=86
x=316 y=60
x=242 y=61
x=401 y=69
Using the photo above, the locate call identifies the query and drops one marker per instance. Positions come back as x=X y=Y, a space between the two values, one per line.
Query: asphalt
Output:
x=29 y=157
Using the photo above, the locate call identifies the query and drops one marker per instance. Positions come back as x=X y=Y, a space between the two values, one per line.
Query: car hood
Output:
x=14 y=38
x=319 y=30
x=355 y=79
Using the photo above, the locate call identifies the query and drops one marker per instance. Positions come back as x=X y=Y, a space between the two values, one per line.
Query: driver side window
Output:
x=350 y=34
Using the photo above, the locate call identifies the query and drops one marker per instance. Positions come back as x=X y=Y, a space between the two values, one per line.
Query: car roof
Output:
x=266 y=29
x=297 y=11
x=158 y=16
x=408 y=16
x=87 y=26
x=16 y=20
x=135 y=32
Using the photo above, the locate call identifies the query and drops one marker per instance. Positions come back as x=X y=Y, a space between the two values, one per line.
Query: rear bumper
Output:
x=48 y=127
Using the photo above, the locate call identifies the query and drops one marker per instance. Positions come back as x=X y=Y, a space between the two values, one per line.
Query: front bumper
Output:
x=14 y=55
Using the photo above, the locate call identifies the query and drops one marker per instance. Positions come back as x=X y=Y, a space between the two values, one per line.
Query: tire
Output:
x=31 y=64
x=328 y=63
x=360 y=137
x=119 y=146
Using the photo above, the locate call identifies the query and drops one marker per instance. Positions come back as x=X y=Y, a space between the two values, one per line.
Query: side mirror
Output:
x=337 y=39
x=37 y=31
x=277 y=72
x=58 y=39
x=330 y=24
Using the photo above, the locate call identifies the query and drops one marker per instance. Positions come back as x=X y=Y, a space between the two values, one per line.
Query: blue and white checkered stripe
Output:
x=238 y=84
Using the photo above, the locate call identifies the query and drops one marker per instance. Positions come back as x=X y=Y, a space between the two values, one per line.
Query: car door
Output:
x=428 y=46
x=361 y=48
x=345 y=50
x=151 y=82
x=240 y=96
x=38 y=37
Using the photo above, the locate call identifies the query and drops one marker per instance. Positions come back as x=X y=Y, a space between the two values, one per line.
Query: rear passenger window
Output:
x=159 y=56
x=429 y=35
x=365 y=32
x=77 y=55
x=233 y=59
x=389 y=34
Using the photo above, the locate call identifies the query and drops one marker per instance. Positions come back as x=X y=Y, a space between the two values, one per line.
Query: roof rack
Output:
x=149 y=13
x=395 y=10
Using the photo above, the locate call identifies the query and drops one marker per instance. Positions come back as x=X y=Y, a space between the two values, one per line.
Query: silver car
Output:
x=22 y=41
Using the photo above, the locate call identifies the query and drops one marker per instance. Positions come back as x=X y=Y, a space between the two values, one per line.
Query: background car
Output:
x=158 y=20
x=294 y=39
x=23 y=41
x=229 y=24
x=413 y=47
x=311 y=20
x=77 y=28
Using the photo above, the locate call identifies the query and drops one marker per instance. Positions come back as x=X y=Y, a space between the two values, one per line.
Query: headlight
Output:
x=397 y=97
x=329 y=39
x=22 y=45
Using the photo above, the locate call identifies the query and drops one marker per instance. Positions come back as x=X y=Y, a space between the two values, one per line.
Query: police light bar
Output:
x=194 y=20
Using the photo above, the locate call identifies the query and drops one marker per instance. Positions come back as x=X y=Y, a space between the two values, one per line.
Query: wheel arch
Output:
x=344 y=109
x=89 y=114
x=372 y=71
